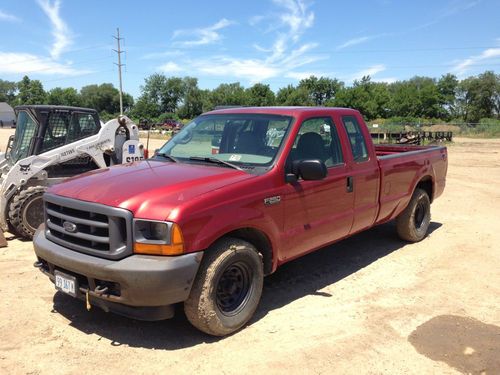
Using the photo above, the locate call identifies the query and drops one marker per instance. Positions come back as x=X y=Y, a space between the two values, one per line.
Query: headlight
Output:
x=157 y=238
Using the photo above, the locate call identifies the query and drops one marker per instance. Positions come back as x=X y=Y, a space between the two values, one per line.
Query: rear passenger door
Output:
x=364 y=174
x=317 y=212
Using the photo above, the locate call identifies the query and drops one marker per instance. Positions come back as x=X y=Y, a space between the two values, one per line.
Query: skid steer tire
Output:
x=26 y=211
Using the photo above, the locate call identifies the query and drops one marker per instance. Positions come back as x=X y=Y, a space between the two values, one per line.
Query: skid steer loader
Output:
x=52 y=143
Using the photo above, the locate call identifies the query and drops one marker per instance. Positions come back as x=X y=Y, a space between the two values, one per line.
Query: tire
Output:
x=227 y=288
x=26 y=211
x=412 y=224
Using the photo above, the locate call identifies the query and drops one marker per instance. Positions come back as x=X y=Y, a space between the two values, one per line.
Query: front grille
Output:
x=88 y=227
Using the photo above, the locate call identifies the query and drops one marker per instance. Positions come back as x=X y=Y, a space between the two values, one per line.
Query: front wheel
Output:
x=26 y=211
x=227 y=289
x=412 y=224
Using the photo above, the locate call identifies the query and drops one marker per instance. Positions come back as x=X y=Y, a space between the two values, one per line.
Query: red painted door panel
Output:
x=317 y=212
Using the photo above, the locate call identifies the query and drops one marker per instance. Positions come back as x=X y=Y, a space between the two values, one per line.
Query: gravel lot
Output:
x=370 y=304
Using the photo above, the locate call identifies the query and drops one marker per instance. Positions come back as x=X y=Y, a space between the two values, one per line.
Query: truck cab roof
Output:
x=280 y=110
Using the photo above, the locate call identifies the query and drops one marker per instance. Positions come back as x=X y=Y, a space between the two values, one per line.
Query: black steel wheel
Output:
x=233 y=288
x=227 y=288
x=412 y=224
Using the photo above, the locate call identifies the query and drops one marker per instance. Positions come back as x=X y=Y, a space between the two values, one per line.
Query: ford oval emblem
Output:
x=69 y=227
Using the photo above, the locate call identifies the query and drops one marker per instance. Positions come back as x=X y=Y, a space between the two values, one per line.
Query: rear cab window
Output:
x=356 y=139
x=63 y=128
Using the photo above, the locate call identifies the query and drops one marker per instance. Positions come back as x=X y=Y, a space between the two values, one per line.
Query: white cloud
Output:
x=252 y=69
x=60 y=31
x=170 y=67
x=370 y=71
x=284 y=54
x=303 y=75
x=451 y=9
x=25 y=63
x=462 y=67
x=202 y=36
x=4 y=16
x=384 y=79
x=297 y=17
x=256 y=69
x=354 y=41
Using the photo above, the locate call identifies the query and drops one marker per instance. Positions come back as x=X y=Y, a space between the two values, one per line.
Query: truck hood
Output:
x=150 y=189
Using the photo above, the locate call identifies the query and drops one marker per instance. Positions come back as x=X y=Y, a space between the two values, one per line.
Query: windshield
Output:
x=25 y=131
x=246 y=140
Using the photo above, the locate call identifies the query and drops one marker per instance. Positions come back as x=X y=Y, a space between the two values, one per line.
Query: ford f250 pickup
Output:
x=231 y=197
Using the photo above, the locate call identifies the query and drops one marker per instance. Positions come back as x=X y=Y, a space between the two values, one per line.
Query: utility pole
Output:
x=119 y=52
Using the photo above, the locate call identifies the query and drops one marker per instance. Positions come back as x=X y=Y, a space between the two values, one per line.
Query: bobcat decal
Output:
x=24 y=168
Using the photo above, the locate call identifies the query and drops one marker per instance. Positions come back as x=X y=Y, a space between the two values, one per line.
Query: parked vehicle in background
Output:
x=234 y=195
x=170 y=125
x=52 y=143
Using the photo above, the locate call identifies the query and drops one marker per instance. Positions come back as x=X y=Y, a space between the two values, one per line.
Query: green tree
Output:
x=30 y=92
x=160 y=94
x=320 y=89
x=260 y=95
x=229 y=94
x=448 y=87
x=479 y=97
x=105 y=98
x=206 y=100
x=417 y=97
x=192 y=102
x=291 y=95
x=64 y=96
x=370 y=98
x=8 y=91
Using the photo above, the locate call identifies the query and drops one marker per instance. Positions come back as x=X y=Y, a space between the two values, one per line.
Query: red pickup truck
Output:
x=203 y=225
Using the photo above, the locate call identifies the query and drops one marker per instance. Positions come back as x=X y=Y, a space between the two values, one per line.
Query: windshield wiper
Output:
x=167 y=156
x=215 y=161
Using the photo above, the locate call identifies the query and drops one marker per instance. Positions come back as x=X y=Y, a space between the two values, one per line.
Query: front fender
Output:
x=202 y=231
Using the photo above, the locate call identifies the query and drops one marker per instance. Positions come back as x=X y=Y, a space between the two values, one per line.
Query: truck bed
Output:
x=401 y=166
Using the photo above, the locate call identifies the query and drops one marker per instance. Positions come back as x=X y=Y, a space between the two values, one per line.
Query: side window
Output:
x=356 y=138
x=56 y=132
x=82 y=125
x=317 y=139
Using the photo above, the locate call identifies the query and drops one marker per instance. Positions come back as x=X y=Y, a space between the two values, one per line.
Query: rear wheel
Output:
x=412 y=224
x=26 y=211
x=227 y=289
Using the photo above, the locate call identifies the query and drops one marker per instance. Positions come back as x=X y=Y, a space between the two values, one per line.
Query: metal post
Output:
x=119 y=52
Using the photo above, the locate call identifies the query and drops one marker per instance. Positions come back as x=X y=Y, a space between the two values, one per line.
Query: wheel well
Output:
x=426 y=185
x=261 y=243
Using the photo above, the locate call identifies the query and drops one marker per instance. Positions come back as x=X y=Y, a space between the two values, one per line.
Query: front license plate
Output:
x=65 y=283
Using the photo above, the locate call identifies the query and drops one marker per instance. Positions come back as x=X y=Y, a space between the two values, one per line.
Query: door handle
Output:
x=350 y=184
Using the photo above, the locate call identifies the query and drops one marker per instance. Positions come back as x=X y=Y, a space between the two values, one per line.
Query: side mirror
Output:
x=310 y=169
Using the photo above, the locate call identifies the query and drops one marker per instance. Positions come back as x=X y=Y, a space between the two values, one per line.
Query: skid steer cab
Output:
x=52 y=143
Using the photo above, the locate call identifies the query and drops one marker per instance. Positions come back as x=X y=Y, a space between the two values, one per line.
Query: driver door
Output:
x=317 y=212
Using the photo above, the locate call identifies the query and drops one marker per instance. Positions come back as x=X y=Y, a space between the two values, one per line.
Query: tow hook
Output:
x=38 y=264
x=101 y=290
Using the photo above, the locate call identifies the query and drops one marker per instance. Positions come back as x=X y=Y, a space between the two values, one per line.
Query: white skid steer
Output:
x=52 y=143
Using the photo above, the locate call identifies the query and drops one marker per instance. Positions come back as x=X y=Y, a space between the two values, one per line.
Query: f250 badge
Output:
x=272 y=200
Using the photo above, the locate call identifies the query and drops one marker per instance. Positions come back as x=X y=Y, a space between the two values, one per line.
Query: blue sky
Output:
x=69 y=43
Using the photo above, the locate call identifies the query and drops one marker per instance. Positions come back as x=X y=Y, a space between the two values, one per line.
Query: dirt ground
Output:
x=368 y=305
